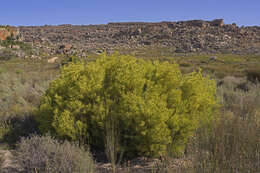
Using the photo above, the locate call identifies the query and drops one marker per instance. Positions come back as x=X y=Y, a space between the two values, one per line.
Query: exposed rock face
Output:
x=3 y=33
x=6 y=31
x=185 y=36
x=217 y=22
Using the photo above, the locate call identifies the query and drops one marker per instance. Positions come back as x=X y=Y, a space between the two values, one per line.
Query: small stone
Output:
x=213 y=58
x=52 y=60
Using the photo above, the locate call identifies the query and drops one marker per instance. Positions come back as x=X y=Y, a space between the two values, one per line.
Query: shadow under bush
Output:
x=13 y=128
x=253 y=75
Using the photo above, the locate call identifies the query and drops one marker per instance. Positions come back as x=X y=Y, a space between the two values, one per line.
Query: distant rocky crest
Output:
x=182 y=36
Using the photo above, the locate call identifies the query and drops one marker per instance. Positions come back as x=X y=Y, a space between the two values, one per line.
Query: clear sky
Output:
x=54 y=12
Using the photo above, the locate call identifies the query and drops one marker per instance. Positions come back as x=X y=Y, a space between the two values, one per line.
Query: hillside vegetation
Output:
x=228 y=142
x=130 y=97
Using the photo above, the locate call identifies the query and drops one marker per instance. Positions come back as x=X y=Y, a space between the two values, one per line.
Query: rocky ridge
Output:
x=183 y=36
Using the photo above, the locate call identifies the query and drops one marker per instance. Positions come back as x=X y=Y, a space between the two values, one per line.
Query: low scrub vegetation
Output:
x=6 y=54
x=21 y=85
x=45 y=154
x=232 y=142
x=122 y=108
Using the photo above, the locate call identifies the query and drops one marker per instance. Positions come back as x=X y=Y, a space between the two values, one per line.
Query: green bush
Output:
x=44 y=154
x=152 y=107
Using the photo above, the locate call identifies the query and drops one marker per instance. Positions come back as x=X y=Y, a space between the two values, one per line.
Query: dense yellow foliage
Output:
x=153 y=106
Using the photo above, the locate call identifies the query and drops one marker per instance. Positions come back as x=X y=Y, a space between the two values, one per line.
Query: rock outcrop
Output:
x=183 y=36
x=7 y=31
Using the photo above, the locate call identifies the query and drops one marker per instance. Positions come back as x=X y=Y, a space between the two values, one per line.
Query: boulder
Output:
x=199 y=23
x=213 y=58
x=15 y=46
x=52 y=60
x=217 y=22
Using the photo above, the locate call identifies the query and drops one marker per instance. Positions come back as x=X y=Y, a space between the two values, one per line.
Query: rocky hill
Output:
x=183 y=36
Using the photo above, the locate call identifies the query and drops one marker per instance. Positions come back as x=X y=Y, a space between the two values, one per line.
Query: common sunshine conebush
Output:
x=153 y=106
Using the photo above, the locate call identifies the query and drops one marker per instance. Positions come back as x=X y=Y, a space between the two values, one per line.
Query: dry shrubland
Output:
x=229 y=143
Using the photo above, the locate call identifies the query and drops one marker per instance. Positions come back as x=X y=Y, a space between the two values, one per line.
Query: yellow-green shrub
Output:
x=153 y=106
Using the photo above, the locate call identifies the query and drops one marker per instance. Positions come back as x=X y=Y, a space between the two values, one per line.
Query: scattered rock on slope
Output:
x=189 y=36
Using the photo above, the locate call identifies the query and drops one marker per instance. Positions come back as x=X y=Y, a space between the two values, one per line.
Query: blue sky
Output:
x=54 y=12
